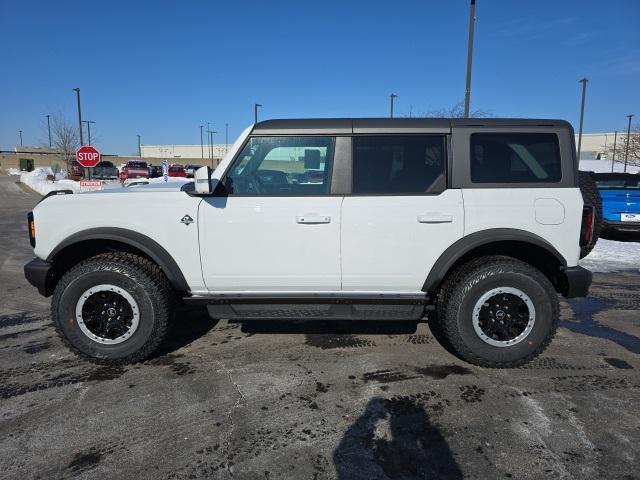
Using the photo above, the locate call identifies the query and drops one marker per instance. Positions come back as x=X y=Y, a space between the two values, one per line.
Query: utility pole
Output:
x=584 y=94
x=392 y=98
x=626 y=150
x=615 y=140
x=226 y=137
x=212 y=132
x=467 y=92
x=49 y=128
x=255 y=112
x=201 y=142
x=88 y=122
x=20 y=132
x=139 y=146
x=77 y=90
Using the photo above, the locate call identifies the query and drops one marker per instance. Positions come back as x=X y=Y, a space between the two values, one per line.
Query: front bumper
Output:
x=576 y=282
x=38 y=273
x=608 y=225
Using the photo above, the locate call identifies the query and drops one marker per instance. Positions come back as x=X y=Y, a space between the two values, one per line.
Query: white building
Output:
x=170 y=152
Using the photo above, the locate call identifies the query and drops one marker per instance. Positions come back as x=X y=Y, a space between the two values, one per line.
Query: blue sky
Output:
x=162 y=68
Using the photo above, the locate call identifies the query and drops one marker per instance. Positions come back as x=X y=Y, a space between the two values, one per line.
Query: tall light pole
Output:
x=77 y=90
x=201 y=142
x=209 y=150
x=467 y=91
x=255 y=112
x=226 y=137
x=584 y=94
x=626 y=150
x=88 y=122
x=20 y=132
x=139 y=146
x=615 y=141
x=212 y=133
x=49 y=128
x=392 y=98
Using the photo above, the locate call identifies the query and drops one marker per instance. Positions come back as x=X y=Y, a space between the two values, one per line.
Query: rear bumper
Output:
x=38 y=272
x=576 y=282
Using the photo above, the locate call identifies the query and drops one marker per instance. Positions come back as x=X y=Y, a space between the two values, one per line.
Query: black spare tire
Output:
x=591 y=196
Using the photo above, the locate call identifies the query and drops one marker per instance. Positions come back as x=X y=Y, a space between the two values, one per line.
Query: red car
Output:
x=134 y=169
x=177 y=170
x=75 y=169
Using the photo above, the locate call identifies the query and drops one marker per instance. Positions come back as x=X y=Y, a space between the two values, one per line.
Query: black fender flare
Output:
x=148 y=246
x=477 y=239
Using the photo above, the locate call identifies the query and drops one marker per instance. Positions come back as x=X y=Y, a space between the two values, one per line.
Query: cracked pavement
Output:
x=314 y=400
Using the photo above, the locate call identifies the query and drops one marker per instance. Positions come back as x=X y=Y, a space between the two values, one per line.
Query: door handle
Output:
x=435 y=218
x=313 y=219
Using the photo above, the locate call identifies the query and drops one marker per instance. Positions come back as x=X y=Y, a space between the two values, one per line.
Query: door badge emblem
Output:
x=187 y=220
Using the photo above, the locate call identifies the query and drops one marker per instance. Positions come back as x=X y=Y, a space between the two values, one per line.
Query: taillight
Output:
x=586 y=232
x=32 y=229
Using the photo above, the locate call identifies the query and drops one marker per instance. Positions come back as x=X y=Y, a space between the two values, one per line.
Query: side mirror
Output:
x=203 y=181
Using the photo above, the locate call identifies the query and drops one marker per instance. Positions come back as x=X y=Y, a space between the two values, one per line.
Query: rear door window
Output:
x=515 y=158
x=398 y=164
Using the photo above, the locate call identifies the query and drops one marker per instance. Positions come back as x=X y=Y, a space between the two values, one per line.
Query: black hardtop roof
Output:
x=393 y=125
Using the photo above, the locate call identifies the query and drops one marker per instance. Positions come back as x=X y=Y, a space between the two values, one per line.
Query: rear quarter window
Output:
x=515 y=158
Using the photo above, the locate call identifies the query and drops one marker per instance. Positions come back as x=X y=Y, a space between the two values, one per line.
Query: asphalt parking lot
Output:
x=314 y=400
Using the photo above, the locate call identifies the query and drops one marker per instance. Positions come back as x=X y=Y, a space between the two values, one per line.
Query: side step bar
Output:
x=325 y=306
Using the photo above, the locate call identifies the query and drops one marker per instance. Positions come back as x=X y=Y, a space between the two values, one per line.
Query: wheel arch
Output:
x=84 y=244
x=520 y=244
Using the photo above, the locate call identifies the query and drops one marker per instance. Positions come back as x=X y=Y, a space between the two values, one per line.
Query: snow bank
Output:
x=14 y=171
x=37 y=180
x=612 y=256
x=604 y=166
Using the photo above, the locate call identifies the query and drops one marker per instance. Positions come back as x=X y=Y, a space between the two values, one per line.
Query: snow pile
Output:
x=14 y=171
x=37 y=180
x=612 y=256
x=604 y=166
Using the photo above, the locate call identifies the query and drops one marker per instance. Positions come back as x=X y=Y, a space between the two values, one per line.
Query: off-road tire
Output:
x=463 y=288
x=591 y=196
x=140 y=278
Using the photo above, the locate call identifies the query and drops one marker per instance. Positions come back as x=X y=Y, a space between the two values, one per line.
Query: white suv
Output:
x=476 y=224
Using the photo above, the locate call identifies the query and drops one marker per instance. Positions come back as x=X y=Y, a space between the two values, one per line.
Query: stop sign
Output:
x=88 y=156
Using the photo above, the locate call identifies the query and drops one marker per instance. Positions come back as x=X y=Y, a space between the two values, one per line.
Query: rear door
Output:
x=400 y=216
x=275 y=227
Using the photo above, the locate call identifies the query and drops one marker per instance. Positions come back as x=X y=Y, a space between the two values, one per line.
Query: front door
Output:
x=274 y=227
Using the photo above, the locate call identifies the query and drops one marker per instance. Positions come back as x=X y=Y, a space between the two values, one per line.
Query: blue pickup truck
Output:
x=620 y=193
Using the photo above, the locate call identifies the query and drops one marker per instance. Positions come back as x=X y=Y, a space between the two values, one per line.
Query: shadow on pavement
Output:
x=330 y=327
x=394 y=438
x=190 y=324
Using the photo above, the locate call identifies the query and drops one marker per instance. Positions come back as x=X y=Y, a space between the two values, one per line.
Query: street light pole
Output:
x=88 y=122
x=626 y=150
x=467 y=92
x=201 y=142
x=615 y=140
x=77 y=90
x=139 y=146
x=49 y=128
x=584 y=94
x=392 y=98
x=20 y=132
x=255 y=112
x=226 y=137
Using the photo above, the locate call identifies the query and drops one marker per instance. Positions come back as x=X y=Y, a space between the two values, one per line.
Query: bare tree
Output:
x=621 y=147
x=457 y=111
x=64 y=137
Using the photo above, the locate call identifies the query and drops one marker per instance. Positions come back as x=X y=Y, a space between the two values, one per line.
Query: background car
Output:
x=105 y=170
x=75 y=169
x=177 y=170
x=620 y=193
x=134 y=169
x=155 y=171
x=190 y=170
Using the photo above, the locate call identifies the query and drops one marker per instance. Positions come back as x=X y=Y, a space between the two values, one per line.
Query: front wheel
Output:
x=497 y=312
x=113 y=308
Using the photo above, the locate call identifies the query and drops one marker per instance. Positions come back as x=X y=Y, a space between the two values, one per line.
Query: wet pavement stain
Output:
x=327 y=342
x=618 y=363
x=584 y=310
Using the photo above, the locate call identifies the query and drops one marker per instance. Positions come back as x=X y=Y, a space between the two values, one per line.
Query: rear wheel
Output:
x=496 y=312
x=113 y=308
